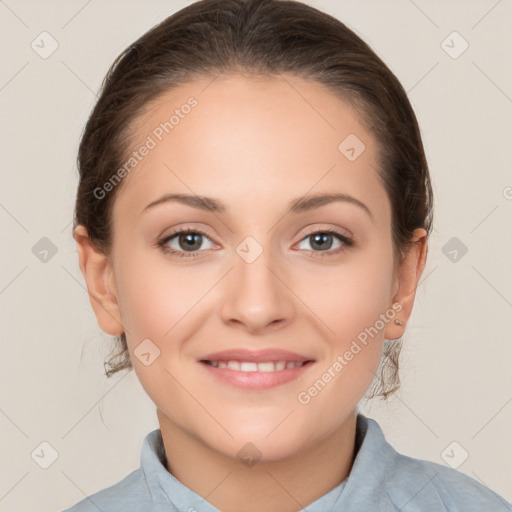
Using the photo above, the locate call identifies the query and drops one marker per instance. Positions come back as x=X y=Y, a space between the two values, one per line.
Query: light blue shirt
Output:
x=381 y=480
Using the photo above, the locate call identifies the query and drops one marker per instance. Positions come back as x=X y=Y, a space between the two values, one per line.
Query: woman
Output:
x=252 y=221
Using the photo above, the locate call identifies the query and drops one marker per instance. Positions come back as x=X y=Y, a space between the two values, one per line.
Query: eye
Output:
x=324 y=241
x=191 y=240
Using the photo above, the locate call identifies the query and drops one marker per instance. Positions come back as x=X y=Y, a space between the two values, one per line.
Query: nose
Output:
x=256 y=297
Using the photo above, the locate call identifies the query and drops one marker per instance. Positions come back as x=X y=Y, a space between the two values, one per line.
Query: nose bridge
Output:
x=257 y=296
x=254 y=263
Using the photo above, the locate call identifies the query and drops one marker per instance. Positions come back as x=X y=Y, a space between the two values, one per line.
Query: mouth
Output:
x=256 y=370
x=251 y=366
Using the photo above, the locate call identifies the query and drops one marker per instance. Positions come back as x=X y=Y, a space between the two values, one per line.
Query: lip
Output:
x=256 y=380
x=255 y=356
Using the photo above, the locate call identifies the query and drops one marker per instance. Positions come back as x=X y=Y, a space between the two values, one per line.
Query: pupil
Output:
x=319 y=239
x=188 y=237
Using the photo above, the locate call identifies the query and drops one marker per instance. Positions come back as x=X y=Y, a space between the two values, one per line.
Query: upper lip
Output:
x=256 y=356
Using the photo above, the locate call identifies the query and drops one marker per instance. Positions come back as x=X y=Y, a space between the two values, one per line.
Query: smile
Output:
x=256 y=376
x=250 y=366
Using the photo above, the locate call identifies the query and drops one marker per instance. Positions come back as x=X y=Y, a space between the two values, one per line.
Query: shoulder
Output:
x=131 y=493
x=137 y=491
x=423 y=483
x=386 y=480
x=417 y=485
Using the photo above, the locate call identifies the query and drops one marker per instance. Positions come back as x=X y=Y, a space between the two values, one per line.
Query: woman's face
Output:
x=255 y=274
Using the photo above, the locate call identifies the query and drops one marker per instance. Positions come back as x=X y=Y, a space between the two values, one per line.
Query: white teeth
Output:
x=266 y=367
x=250 y=366
x=234 y=365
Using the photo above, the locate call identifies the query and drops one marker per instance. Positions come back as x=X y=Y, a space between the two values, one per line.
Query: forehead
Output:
x=249 y=140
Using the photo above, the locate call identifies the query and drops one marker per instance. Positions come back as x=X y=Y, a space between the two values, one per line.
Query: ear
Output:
x=406 y=282
x=99 y=276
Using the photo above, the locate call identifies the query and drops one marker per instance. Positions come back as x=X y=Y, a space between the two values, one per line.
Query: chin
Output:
x=270 y=444
x=250 y=451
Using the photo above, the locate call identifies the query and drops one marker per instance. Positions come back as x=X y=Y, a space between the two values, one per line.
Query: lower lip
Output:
x=257 y=380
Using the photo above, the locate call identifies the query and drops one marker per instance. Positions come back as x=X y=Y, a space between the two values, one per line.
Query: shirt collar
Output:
x=365 y=485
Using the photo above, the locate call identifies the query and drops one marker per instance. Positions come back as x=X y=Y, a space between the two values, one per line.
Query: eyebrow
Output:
x=296 y=206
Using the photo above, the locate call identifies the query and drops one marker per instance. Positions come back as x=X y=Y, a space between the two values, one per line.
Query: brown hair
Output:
x=266 y=38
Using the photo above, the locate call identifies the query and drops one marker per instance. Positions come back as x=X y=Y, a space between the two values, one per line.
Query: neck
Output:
x=285 y=485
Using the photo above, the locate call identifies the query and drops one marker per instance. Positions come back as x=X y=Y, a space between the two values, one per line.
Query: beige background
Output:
x=457 y=383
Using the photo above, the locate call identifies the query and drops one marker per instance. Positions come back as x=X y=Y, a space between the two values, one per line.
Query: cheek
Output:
x=160 y=302
x=155 y=295
x=350 y=303
x=350 y=297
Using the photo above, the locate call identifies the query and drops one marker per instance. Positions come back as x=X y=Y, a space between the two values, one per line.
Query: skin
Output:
x=241 y=145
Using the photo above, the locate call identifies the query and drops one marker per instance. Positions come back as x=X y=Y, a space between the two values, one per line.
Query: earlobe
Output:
x=100 y=280
x=409 y=274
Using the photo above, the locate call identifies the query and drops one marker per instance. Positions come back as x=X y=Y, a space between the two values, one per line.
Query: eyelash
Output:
x=347 y=243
